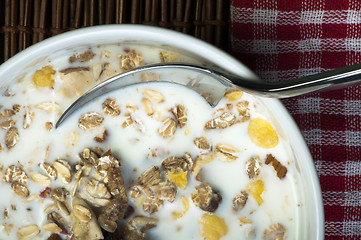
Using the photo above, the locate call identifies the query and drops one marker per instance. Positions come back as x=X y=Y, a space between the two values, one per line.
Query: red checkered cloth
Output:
x=286 y=39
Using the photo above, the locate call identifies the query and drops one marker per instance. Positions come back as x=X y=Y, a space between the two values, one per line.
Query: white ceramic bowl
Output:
x=310 y=214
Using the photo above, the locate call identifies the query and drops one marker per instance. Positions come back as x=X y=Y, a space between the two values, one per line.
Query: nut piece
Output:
x=280 y=169
x=168 y=129
x=153 y=95
x=110 y=108
x=234 y=95
x=253 y=166
x=51 y=227
x=28 y=232
x=202 y=144
x=20 y=190
x=12 y=137
x=82 y=213
x=223 y=121
x=40 y=178
x=64 y=170
x=49 y=126
x=90 y=120
x=206 y=198
x=240 y=200
x=275 y=232
x=180 y=114
x=147 y=105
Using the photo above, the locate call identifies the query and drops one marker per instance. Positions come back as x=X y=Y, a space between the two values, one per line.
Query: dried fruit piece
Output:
x=153 y=95
x=180 y=114
x=177 y=215
x=41 y=179
x=90 y=120
x=240 y=200
x=262 y=133
x=280 y=169
x=275 y=232
x=82 y=213
x=256 y=189
x=168 y=129
x=12 y=137
x=51 y=227
x=28 y=232
x=202 y=144
x=225 y=120
x=213 y=227
x=147 y=105
x=206 y=198
x=44 y=77
x=49 y=106
x=234 y=95
x=110 y=107
x=253 y=166
x=28 y=118
x=20 y=190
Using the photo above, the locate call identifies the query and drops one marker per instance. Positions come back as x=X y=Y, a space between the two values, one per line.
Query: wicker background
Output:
x=25 y=22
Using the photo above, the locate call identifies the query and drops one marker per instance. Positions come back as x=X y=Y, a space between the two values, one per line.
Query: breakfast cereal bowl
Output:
x=150 y=161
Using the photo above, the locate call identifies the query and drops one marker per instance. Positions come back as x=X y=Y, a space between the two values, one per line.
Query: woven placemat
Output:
x=25 y=22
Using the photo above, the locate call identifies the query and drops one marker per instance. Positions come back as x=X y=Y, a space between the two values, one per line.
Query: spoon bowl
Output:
x=213 y=84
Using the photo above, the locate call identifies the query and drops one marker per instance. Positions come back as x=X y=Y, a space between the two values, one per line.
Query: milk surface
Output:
x=134 y=146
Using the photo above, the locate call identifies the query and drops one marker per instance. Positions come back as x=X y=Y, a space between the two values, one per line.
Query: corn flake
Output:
x=262 y=133
x=213 y=227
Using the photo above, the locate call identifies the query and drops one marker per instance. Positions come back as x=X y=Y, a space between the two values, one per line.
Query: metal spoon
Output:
x=215 y=83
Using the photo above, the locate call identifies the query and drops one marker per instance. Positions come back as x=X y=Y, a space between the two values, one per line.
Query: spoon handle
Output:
x=325 y=81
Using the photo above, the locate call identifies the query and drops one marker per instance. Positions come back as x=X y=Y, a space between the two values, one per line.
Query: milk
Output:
x=134 y=147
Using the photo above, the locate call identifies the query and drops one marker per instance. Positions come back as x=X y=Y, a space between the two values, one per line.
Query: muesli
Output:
x=149 y=161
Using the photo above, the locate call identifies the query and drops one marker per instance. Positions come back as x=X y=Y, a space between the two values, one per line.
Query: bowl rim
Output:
x=189 y=43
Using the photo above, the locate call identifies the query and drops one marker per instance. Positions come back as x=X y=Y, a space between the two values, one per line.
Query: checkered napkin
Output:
x=286 y=39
